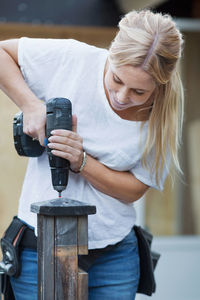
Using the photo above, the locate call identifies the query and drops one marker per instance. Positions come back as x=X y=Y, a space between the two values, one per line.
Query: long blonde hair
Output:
x=152 y=41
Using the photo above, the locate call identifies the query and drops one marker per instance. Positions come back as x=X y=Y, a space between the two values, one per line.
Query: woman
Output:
x=128 y=110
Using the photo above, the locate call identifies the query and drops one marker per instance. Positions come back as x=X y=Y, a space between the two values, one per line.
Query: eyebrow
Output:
x=136 y=89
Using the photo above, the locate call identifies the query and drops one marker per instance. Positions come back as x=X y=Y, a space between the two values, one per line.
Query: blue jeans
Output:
x=113 y=276
x=25 y=286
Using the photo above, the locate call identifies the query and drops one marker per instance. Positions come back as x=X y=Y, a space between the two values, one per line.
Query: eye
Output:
x=116 y=79
x=138 y=92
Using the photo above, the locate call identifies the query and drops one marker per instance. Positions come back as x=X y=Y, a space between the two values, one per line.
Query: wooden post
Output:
x=62 y=236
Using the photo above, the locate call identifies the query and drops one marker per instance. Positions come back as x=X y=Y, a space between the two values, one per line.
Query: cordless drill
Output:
x=58 y=116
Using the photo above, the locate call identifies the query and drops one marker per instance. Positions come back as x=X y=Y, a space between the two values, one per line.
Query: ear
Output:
x=74 y=123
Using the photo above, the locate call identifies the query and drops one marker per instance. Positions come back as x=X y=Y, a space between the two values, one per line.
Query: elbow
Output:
x=10 y=48
x=135 y=195
x=139 y=195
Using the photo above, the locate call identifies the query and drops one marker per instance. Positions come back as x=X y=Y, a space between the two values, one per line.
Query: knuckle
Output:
x=76 y=159
x=66 y=141
x=79 y=153
x=68 y=133
x=66 y=149
x=65 y=156
x=25 y=130
x=28 y=131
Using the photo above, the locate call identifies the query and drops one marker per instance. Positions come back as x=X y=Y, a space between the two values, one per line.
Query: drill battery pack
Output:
x=24 y=144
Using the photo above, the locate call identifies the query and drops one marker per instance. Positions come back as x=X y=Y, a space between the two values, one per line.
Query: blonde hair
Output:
x=152 y=41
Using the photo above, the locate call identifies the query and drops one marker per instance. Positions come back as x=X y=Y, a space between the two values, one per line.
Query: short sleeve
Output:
x=40 y=59
x=148 y=177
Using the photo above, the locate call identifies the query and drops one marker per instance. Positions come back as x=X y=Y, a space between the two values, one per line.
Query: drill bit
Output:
x=59 y=194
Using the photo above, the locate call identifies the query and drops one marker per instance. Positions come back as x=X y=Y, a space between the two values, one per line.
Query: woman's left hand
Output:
x=68 y=144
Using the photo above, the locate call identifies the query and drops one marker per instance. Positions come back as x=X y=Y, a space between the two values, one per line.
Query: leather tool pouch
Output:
x=10 y=265
x=148 y=261
x=10 y=247
x=5 y=287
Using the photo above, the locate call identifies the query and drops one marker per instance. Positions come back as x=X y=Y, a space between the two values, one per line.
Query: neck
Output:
x=134 y=114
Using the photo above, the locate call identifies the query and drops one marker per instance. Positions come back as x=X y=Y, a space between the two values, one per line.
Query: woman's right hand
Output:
x=34 y=121
x=12 y=83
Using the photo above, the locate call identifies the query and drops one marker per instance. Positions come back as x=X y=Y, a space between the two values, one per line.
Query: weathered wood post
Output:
x=62 y=236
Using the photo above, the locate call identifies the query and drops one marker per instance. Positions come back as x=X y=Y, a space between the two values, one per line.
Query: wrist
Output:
x=82 y=164
x=32 y=106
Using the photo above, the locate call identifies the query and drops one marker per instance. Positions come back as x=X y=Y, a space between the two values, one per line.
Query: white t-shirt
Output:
x=74 y=70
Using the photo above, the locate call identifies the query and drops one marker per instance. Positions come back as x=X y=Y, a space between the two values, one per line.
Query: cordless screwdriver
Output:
x=58 y=116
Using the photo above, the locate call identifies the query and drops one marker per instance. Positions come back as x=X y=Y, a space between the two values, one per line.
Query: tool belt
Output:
x=148 y=260
x=19 y=236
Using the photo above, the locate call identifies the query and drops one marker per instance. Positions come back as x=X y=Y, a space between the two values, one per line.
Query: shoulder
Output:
x=83 y=48
x=59 y=46
x=44 y=43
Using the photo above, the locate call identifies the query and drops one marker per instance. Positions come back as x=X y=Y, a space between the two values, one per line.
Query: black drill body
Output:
x=59 y=116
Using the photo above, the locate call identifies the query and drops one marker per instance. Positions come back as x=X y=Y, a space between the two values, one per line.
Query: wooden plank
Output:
x=46 y=286
x=194 y=171
x=82 y=235
x=63 y=207
x=58 y=239
x=82 y=285
x=66 y=259
x=40 y=262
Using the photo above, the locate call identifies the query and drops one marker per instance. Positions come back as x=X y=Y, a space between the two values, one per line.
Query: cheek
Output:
x=140 y=100
x=109 y=83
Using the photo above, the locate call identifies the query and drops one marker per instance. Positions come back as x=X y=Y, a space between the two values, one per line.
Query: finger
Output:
x=64 y=148
x=30 y=131
x=66 y=141
x=74 y=123
x=64 y=155
x=65 y=133
x=75 y=159
x=41 y=138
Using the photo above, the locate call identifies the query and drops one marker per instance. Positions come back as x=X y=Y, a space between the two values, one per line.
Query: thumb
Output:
x=41 y=137
x=74 y=123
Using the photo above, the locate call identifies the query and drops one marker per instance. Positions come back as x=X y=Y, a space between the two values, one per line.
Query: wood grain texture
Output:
x=60 y=239
x=46 y=254
x=82 y=285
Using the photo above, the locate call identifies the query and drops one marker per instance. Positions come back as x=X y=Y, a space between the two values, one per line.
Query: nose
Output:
x=123 y=96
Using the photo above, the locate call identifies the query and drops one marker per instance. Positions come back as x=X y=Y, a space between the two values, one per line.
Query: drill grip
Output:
x=59 y=116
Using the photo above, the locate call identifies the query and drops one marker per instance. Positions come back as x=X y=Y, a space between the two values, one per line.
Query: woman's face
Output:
x=127 y=87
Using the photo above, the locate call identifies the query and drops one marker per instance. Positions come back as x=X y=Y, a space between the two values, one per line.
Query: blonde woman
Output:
x=128 y=110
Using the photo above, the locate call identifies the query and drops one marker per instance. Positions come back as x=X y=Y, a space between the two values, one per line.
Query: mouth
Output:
x=116 y=105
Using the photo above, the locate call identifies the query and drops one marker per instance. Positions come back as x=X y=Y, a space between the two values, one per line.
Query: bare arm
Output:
x=14 y=86
x=121 y=185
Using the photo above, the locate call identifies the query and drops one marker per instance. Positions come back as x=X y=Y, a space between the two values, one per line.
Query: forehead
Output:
x=134 y=77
